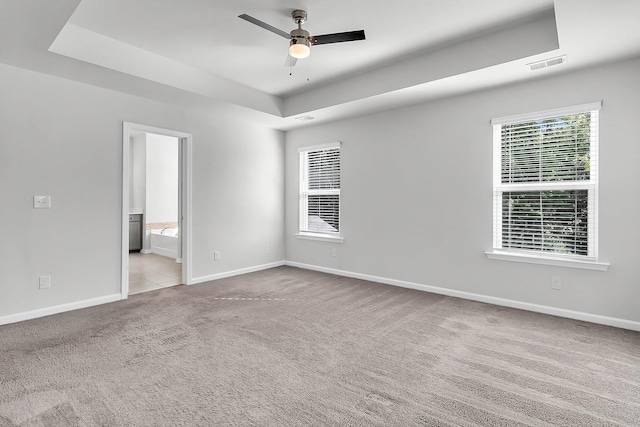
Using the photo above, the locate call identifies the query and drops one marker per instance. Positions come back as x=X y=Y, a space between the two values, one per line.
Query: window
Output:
x=320 y=190
x=545 y=183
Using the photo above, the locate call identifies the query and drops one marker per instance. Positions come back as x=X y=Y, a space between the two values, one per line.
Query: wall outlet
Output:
x=556 y=283
x=268 y=246
x=216 y=256
x=41 y=202
x=334 y=252
x=44 y=282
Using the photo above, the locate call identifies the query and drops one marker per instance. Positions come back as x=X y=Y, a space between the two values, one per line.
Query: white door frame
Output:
x=186 y=141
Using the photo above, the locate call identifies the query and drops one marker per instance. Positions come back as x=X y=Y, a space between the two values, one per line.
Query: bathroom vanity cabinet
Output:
x=135 y=232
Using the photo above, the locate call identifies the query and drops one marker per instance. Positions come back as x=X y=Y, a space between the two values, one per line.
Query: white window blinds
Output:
x=320 y=189
x=546 y=182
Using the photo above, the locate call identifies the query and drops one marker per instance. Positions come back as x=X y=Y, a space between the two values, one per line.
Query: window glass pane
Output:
x=549 y=221
x=323 y=214
x=324 y=169
x=320 y=190
x=550 y=149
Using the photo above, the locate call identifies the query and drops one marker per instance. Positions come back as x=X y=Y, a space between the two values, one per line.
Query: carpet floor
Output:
x=291 y=347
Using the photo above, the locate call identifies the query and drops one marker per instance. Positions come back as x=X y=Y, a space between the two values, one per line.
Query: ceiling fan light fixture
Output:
x=299 y=50
x=299 y=46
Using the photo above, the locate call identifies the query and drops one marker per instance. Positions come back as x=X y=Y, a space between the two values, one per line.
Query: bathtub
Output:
x=165 y=242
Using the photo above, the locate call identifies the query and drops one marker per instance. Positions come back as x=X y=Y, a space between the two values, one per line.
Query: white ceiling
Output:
x=209 y=36
x=199 y=53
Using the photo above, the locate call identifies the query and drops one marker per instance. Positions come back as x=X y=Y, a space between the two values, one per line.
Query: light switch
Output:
x=41 y=202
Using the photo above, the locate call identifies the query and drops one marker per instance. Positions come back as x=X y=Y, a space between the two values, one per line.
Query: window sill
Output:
x=547 y=260
x=321 y=237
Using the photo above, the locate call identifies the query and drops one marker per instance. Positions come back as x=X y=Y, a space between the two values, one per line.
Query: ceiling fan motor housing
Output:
x=299 y=35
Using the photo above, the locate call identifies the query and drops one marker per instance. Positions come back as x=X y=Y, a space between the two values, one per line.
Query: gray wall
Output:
x=64 y=139
x=417 y=194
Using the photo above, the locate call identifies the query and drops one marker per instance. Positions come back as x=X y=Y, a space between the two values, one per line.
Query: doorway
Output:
x=162 y=209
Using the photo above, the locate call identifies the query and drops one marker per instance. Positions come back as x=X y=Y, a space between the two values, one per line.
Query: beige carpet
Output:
x=289 y=347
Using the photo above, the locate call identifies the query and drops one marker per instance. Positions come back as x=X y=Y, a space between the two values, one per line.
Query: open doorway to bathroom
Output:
x=154 y=258
x=156 y=202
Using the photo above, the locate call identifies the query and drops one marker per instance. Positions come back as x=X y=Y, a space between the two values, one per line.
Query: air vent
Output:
x=547 y=63
x=538 y=65
x=305 y=118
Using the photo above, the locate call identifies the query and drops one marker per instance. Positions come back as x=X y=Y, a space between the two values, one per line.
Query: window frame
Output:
x=303 y=190
x=589 y=261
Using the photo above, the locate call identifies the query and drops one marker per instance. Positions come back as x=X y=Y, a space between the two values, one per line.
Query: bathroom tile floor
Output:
x=148 y=272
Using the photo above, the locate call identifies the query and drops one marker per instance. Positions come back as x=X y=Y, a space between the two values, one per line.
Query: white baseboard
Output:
x=554 y=311
x=33 y=314
x=47 y=311
x=167 y=253
x=232 y=273
x=577 y=315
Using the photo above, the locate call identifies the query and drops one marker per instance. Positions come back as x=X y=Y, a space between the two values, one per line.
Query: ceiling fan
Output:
x=300 y=41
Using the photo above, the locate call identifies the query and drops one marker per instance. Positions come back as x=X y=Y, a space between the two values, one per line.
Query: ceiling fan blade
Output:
x=264 y=25
x=348 y=36
x=291 y=61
